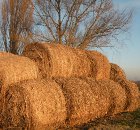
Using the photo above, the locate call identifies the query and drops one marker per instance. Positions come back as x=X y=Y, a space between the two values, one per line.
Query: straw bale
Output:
x=14 y=69
x=116 y=72
x=117 y=96
x=100 y=65
x=61 y=81
x=17 y=68
x=34 y=105
x=85 y=101
x=5 y=54
x=132 y=93
x=55 y=60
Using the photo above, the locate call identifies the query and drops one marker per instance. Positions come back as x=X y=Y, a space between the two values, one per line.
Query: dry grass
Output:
x=56 y=60
x=100 y=65
x=123 y=121
x=34 y=105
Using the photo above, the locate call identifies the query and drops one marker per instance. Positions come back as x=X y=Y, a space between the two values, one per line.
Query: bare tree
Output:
x=16 y=24
x=80 y=23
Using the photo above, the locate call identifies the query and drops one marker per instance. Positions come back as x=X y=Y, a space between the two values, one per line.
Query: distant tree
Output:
x=16 y=24
x=80 y=23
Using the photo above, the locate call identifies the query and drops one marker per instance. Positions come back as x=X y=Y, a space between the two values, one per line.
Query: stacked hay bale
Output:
x=56 y=60
x=117 y=96
x=62 y=62
x=100 y=65
x=76 y=86
x=14 y=69
x=116 y=72
x=83 y=102
x=89 y=99
x=132 y=90
x=5 y=55
x=44 y=104
x=34 y=105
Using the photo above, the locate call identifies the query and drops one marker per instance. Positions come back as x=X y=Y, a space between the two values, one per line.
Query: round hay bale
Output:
x=85 y=101
x=55 y=60
x=60 y=81
x=14 y=69
x=100 y=65
x=116 y=72
x=132 y=93
x=117 y=96
x=17 y=68
x=34 y=105
x=5 y=54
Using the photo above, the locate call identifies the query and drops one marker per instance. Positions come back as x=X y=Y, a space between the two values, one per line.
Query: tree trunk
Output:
x=59 y=23
x=13 y=47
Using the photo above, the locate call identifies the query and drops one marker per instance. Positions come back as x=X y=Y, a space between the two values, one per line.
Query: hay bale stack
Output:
x=117 y=95
x=14 y=69
x=56 y=60
x=34 y=105
x=5 y=54
x=100 y=65
x=132 y=90
x=85 y=101
x=88 y=99
x=116 y=72
x=132 y=93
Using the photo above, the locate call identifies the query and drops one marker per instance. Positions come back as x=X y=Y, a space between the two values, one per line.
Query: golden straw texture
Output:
x=34 y=105
x=56 y=60
x=100 y=65
x=131 y=89
x=5 y=55
x=14 y=69
x=132 y=93
x=116 y=72
x=17 y=68
x=84 y=100
x=88 y=99
x=117 y=95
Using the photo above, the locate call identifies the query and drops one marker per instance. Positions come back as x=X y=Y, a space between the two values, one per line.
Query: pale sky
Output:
x=128 y=56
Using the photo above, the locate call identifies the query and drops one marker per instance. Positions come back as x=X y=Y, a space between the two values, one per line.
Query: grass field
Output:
x=124 y=121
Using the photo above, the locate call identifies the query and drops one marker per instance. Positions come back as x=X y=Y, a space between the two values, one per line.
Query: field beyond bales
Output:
x=124 y=121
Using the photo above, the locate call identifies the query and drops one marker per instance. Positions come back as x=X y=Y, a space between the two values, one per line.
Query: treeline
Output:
x=77 y=23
